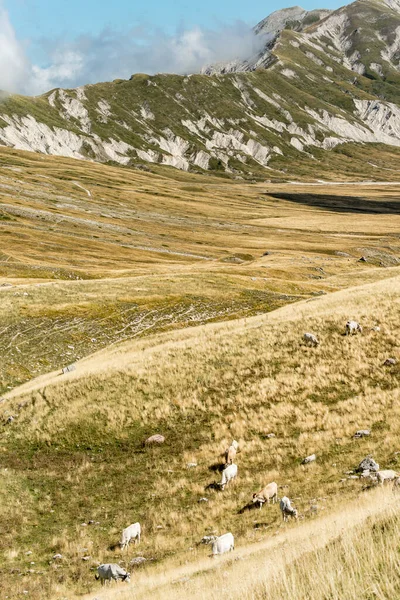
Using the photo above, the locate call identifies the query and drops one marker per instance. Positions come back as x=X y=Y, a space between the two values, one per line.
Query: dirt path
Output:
x=248 y=565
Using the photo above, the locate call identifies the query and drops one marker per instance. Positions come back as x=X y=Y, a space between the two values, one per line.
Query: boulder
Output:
x=362 y=433
x=309 y=459
x=368 y=463
x=390 y=362
x=137 y=561
x=155 y=439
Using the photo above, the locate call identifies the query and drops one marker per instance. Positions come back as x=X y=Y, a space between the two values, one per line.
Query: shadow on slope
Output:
x=346 y=204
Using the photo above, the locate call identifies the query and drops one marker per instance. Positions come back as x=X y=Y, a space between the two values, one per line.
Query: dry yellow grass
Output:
x=118 y=277
x=347 y=554
x=151 y=252
x=202 y=387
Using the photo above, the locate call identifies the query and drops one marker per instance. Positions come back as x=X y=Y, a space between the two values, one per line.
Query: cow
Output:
x=311 y=340
x=270 y=492
x=353 y=327
x=386 y=475
x=220 y=545
x=130 y=533
x=287 y=509
x=230 y=455
x=111 y=571
x=228 y=474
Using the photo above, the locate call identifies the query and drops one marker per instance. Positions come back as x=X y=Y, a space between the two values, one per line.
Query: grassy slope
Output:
x=150 y=252
x=353 y=555
x=75 y=451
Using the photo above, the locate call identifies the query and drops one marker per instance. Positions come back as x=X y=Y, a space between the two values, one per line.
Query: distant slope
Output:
x=329 y=80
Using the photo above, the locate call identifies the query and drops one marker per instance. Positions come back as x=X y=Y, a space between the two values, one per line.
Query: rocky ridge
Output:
x=322 y=80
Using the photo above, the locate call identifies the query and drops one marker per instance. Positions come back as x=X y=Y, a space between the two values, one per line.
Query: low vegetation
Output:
x=270 y=262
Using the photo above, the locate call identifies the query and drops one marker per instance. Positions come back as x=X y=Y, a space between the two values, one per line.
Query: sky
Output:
x=66 y=43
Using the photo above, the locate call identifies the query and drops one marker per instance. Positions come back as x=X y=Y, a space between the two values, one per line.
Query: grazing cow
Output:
x=311 y=340
x=220 y=545
x=287 y=509
x=107 y=572
x=387 y=475
x=230 y=455
x=353 y=327
x=228 y=474
x=223 y=543
x=130 y=533
x=270 y=492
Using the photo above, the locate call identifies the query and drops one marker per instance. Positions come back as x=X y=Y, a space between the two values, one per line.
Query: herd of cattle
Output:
x=226 y=543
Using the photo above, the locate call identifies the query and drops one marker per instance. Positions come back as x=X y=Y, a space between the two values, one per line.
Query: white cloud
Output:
x=14 y=66
x=111 y=55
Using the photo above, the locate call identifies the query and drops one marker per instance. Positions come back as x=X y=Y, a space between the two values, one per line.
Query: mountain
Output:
x=267 y=31
x=323 y=89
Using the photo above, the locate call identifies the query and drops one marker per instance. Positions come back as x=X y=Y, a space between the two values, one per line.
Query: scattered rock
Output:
x=155 y=439
x=83 y=524
x=68 y=369
x=366 y=473
x=191 y=465
x=390 y=362
x=345 y=254
x=270 y=435
x=86 y=558
x=10 y=419
x=203 y=500
x=375 y=328
x=28 y=553
x=309 y=459
x=6 y=285
x=353 y=477
x=314 y=508
x=57 y=557
x=267 y=253
x=368 y=463
x=362 y=259
x=362 y=433
x=136 y=562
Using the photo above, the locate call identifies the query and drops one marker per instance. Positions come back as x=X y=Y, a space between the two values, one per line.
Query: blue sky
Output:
x=67 y=43
x=53 y=18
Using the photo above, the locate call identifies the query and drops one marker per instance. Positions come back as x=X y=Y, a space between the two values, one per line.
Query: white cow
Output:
x=287 y=509
x=270 y=492
x=130 y=533
x=228 y=474
x=223 y=543
x=353 y=327
x=109 y=571
x=310 y=339
x=386 y=475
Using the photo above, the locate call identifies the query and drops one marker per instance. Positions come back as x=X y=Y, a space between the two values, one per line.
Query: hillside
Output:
x=96 y=254
x=74 y=452
x=321 y=101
